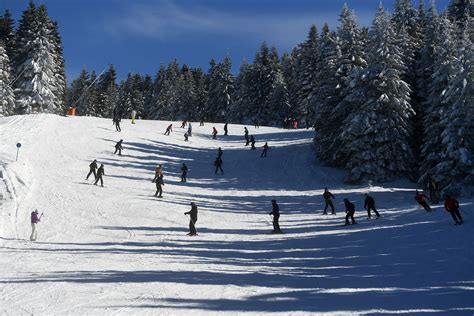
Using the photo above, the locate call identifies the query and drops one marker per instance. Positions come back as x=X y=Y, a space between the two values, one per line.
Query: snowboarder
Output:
x=35 y=219
x=420 y=198
x=100 y=173
x=218 y=163
x=225 y=129
x=276 y=217
x=184 y=172
x=350 y=210
x=159 y=184
x=452 y=206
x=433 y=186
x=169 y=129
x=158 y=172
x=118 y=147
x=264 y=151
x=246 y=135
x=328 y=201
x=369 y=204
x=92 y=169
x=214 y=132
x=193 y=214
x=134 y=114
x=190 y=130
x=219 y=153
x=252 y=142
x=186 y=136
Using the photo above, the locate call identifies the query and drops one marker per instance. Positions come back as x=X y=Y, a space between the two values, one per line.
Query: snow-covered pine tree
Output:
x=7 y=97
x=60 y=73
x=376 y=134
x=37 y=87
x=7 y=35
x=306 y=69
x=147 y=89
x=460 y=11
x=288 y=64
x=443 y=56
x=107 y=93
x=187 y=95
x=278 y=102
x=167 y=92
x=221 y=89
x=242 y=107
x=201 y=96
x=79 y=96
x=326 y=97
x=351 y=62
x=455 y=172
x=158 y=88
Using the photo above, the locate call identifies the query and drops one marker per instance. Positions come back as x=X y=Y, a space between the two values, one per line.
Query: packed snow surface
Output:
x=120 y=250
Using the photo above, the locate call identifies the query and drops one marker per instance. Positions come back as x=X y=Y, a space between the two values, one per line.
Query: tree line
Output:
x=393 y=99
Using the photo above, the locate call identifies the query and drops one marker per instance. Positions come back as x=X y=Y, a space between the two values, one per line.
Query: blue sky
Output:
x=139 y=35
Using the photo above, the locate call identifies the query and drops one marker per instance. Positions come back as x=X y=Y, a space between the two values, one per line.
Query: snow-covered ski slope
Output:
x=119 y=250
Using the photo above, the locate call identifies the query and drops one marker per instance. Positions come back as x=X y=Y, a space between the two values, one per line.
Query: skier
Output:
x=190 y=129
x=183 y=125
x=158 y=172
x=100 y=173
x=219 y=153
x=184 y=172
x=186 y=136
x=225 y=129
x=118 y=147
x=35 y=219
x=252 y=142
x=134 y=114
x=201 y=122
x=218 y=163
x=247 y=139
x=369 y=204
x=256 y=124
x=169 y=129
x=276 y=217
x=452 y=206
x=350 y=210
x=420 y=198
x=92 y=169
x=193 y=214
x=159 y=184
x=328 y=201
x=214 y=132
x=264 y=152
x=117 y=123
x=433 y=186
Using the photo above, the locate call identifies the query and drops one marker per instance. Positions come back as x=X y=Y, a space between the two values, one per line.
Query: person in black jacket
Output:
x=252 y=142
x=219 y=153
x=184 y=172
x=193 y=213
x=159 y=184
x=214 y=133
x=369 y=204
x=218 y=163
x=246 y=135
x=350 y=210
x=328 y=201
x=92 y=169
x=276 y=217
x=118 y=147
x=100 y=173
x=225 y=129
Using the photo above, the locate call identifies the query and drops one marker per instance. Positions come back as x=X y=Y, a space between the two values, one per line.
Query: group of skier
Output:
x=97 y=172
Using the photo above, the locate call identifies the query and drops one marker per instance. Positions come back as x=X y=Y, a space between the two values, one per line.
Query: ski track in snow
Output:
x=119 y=250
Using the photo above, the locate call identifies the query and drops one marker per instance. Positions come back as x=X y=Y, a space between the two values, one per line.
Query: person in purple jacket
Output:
x=35 y=219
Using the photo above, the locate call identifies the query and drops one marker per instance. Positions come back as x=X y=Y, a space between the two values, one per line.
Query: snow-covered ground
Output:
x=120 y=250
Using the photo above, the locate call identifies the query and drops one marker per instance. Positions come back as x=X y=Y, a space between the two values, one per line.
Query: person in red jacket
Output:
x=420 y=198
x=452 y=206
